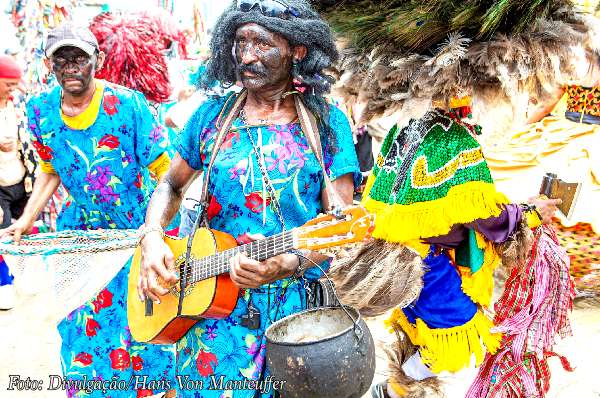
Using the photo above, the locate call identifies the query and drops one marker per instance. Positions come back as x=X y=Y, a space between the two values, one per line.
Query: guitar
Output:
x=209 y=292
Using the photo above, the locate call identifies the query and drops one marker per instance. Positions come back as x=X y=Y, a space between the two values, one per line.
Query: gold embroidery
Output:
x=380 y=160
x=422 y=178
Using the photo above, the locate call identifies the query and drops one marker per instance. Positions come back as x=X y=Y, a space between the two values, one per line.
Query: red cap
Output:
x=9 y=69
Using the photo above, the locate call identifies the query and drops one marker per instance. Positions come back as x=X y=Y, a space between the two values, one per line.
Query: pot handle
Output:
x=358 y=332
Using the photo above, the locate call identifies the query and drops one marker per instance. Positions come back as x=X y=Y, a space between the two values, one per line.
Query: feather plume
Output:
x=134 y=45
x=516 y=251
x=377 y=277
x=429 y=49
x=397 y=353
x=451 y=51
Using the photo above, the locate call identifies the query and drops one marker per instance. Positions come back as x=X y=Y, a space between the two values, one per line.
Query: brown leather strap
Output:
x=223 y=128
x=227 y=117
x=311 y=130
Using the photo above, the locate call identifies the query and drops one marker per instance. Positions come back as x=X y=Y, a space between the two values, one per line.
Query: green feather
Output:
x=421 y=25
x=494 y=17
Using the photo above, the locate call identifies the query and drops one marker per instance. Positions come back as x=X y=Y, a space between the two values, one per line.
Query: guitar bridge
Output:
x=149 y=310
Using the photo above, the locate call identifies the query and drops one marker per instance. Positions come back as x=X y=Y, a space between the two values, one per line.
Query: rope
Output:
x=71 y=242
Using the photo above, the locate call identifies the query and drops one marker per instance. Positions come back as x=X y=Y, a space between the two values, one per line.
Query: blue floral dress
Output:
x=104 y=168
x=216 y=351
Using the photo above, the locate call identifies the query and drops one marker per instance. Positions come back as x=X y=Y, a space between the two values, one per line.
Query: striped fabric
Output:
x=532 y=312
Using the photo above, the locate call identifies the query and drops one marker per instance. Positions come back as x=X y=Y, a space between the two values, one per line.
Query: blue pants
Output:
x=442 y=303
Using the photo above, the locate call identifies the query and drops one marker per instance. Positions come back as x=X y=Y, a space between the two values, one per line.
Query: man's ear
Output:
x=100 y=60
x=48 y=64
x=299 y=53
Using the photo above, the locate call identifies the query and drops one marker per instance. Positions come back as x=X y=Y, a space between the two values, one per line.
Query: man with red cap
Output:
x=17 y=162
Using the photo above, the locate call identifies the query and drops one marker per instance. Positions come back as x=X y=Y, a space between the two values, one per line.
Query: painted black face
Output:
x=74 y=69
x=264 y=58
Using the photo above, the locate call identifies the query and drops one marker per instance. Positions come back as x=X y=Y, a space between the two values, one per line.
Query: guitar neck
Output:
x=260 y=250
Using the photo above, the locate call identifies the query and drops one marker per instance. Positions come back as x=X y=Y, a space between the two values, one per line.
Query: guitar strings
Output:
x=219 y=262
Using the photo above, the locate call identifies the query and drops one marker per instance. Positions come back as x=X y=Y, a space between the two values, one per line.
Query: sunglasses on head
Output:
x=269 y=8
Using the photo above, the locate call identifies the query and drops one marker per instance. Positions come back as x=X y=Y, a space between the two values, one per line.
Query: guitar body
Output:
x=211 y=298
x=210 y=292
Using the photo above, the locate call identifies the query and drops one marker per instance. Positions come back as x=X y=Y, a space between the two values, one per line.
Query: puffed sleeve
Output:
x=195 y=142
x=44 y=152
x=341 y=159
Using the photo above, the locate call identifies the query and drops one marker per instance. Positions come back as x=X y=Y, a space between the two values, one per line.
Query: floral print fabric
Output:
x=585 y=100
x=97 y=345
x=104 y=169
x=218 y=353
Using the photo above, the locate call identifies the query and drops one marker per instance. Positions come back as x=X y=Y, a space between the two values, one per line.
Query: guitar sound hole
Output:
x=176 y=289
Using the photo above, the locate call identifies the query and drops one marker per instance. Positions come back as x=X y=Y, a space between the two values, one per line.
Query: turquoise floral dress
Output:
x=217 y=351
x=104 y=169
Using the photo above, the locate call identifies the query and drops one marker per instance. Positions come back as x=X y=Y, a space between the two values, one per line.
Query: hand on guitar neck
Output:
x=248 y=273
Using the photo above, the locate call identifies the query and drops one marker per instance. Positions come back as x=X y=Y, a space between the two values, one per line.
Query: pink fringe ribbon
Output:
x=531 y=313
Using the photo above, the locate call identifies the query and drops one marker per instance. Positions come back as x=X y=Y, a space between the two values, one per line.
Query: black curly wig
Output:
x=304 y=27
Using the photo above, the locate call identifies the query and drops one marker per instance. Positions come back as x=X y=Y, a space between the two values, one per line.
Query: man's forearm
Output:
x=163 y=205
x=44 y=187
x=168 y=195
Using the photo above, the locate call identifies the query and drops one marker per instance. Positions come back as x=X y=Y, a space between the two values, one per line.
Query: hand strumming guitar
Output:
x=155 y=274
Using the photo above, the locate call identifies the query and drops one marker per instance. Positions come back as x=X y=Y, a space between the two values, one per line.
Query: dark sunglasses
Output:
x=269 y=8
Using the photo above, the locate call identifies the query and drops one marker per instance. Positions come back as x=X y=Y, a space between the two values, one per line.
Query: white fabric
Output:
x=61 y=283
x=181 y=112
x=193 y=194
x=415 y=369
x=12 y=169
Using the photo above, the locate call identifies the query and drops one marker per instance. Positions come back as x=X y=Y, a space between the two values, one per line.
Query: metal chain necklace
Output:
x=277 y=210
x=263 y=171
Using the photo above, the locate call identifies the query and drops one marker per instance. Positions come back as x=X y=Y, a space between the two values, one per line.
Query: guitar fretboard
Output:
x=259 y=250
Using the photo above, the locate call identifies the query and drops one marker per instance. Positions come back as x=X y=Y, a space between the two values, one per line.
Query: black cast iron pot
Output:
x=325 y=352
